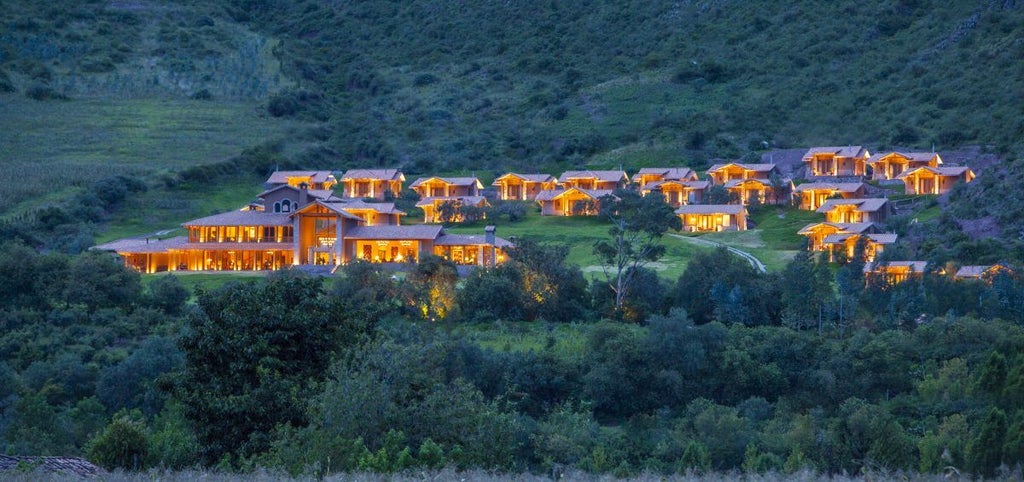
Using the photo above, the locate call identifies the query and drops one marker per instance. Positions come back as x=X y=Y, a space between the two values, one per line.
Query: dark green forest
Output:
x=815 y=367
x=723 y=369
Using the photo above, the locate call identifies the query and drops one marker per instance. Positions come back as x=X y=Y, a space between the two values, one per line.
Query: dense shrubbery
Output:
x=737 y=371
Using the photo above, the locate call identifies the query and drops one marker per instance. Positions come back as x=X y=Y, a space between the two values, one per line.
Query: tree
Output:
x=123 y=444
x=430 y=288
x=638 y=223
x=806 y=288
x=558 y=290
x=253 y=353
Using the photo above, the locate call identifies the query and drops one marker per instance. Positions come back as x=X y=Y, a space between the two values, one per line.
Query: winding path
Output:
x=756 y=263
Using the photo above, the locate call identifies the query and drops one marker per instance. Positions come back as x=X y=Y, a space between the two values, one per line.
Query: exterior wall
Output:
x=370 y=188
x=565 y=204
x=829 y=165
x=387 y=251
x=514 y=189
x=713 y=222
x=928 y=183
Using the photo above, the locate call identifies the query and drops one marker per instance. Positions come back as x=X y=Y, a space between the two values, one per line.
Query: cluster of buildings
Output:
x=314 y=218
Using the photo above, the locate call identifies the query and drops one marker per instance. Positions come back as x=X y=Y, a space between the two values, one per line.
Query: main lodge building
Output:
x=293 y=224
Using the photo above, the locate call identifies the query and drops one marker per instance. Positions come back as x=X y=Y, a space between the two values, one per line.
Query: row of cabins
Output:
x=899 y=271
x=314 y=218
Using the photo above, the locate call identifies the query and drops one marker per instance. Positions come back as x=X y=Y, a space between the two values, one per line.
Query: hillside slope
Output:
x=515 y=84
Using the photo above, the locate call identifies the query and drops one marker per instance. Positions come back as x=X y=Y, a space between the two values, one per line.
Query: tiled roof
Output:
x=382 y=208
x=595 y=194
x=142 y=245
x=866 y=205
x=281 y=177
x=469 y=240
x=375 y=174
x=938 y=171
x=607 y=176
x=977 y=271
x=913 y=266
x=711 y=209
x=667 y=173
x=687 y=184
x=852 y=228
x=60 y=465
x=913 y=156
x=526 y=177
x=465 y=200
x=880 y=238
x=422 y=231
x=313 y=193
x=454 y=181
x=747 y=167
x=837 y=151
x=242 y=218
x=830 y=186
x=335 y=206
x=739 y=182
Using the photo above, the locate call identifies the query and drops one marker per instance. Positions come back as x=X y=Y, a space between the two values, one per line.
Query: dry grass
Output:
x=473 y=475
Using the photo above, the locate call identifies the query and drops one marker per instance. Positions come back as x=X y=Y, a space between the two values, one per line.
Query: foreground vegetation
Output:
x=527 y=367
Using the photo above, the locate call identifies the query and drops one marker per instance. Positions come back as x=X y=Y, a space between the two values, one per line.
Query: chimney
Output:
x=489 y=234
x=303 y=194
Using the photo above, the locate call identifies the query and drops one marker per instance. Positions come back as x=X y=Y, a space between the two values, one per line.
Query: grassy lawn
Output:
x=774 y=240
x=206 y=281
x=54 y=146
x=579 y=234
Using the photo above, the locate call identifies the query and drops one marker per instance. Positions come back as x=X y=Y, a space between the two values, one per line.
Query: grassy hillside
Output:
x=517 y=84
x=95 y=89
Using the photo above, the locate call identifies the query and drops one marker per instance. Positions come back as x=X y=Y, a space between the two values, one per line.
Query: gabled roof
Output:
x=314 y=193
x=421 y=231
x=526 y=177
x=837 y=151
x=830 y=186
x=745 y=167
x=59 y=465
x=466 y=200
x=912 y=266
x=281 y=177
x=334 y=207
x=739 y=182
x=687 y=184
x=142 y=245
x=853 y=228
x=951 y=171
x=865 y=205
x=469 y=240
x=454 y=181
x=879 y=238
x=595 y=194
x=667 y=173
x=912 y=156
x=734 y=209
x=375 y=174
x=606 y=176
x=359 y=204
x=243 y=218
x=977 y=271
